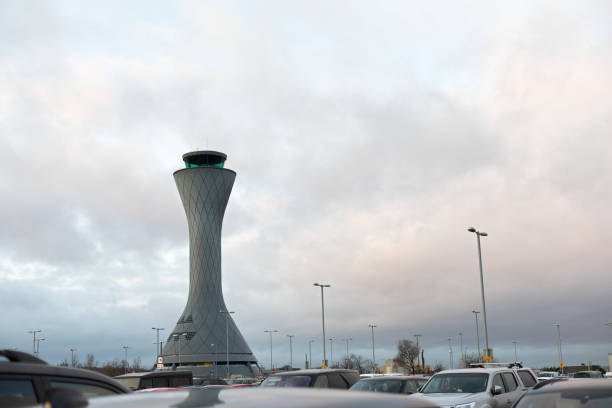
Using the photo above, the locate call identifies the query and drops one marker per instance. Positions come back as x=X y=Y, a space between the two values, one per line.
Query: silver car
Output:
x=474 y=388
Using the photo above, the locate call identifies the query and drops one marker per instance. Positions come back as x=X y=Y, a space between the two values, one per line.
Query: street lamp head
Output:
x=483 y=234
x=472 y=229
x=475 y=311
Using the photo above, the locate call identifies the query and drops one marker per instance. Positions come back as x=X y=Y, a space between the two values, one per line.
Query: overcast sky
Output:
x=366 y=137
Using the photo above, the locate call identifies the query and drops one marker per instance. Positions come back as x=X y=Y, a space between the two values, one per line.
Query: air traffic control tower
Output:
x=199 y=340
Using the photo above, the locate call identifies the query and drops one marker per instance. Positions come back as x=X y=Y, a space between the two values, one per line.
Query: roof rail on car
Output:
x=15 y=356
x=515 y=364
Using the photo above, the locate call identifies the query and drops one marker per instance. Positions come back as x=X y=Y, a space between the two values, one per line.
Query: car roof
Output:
x=313 y=371
x=566 y=384
x=491 y=370
x=251 y=398
x=394 y=377
x=145 y=374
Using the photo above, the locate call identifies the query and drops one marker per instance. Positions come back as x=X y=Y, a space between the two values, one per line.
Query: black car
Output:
x=315 y=378
x=27 y=380
x=393 y=384
x=156 y=379
x=566 y=393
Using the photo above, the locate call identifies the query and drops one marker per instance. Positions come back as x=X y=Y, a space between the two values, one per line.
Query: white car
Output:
x=547 y=375
x=476 y=387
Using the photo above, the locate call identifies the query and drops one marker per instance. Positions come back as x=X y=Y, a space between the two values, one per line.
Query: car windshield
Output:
x=392 y=386
x=583 y=398
x=287 y=381
x=587 y=374
x=130 y=382
x=456 y=383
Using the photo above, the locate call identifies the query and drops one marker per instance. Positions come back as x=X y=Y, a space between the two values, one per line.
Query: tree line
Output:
x=111 y=368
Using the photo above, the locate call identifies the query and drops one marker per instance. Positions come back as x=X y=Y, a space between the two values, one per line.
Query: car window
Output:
x=179 y=381
x=510 y=382
x=335 y=381
x=411 y=386
x=145 y=383
x=287 y=381
x=88 y=390
x=160 y=382
x=350 y=377
x=16 y=392
x=527 y=378
x=321 y=382
x=457 y=383
x=497 y=380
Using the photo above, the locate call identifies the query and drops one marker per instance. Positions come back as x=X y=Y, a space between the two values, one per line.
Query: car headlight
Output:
x=468 y=405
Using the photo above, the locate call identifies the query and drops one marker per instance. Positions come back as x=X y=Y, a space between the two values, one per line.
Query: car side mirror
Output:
x=497 y=390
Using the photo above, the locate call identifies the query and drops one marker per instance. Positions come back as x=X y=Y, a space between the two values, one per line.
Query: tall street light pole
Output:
x=34 y=340
x=450 y=353
x=72 y=350
x=347 y=349
x=372 y=326
x=125 y=349
x=179 y=345
x=227 y=316
x=461 y=346
x=515 y=351
x=560 y=351
x=310 y=353
x=215 y=366
x=271 y=361
x=419 y=351
x=484 y=307
x=291 y=336
x=322 y=286
x=331 y=350
x=38 y=345
x=158 y=343
x=477 y=333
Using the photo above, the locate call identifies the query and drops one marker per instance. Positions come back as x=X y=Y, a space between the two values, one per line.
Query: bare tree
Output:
x=470 y=358
x=90 y=361
x=438 y=367
x=359 y=363
x=407 y=355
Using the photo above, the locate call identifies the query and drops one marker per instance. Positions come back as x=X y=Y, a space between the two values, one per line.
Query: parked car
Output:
x=588 y=374
x=26 y=380
x=156 y=379
x=547 y=375
x=584 y=393
x=314 y=378
x=240 y=382
x=208 y=381
x=256 y=397
x=474 y=387
x=394 y=384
